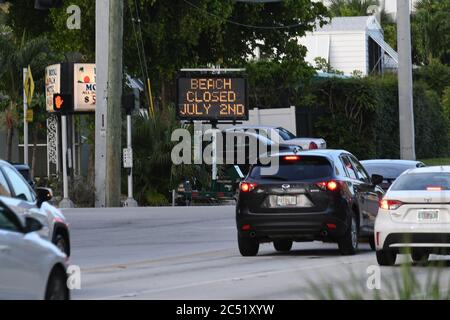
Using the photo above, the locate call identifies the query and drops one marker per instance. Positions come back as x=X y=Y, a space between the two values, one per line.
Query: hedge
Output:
x=361 y=116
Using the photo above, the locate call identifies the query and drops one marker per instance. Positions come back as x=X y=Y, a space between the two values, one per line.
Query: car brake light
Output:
x=292 y=158
x=246 y=227
x=247 y=187
x=390 y=204
x=431 y=188
x=329 y=185
x=313 y=146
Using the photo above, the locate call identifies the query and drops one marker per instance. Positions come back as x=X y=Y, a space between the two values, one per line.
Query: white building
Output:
x=389 y=6
x=351 y=44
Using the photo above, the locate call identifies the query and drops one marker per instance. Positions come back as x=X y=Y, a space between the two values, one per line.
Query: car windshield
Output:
x=306 y=168
x=285 y=134
x=422 y=181
x=387 y=171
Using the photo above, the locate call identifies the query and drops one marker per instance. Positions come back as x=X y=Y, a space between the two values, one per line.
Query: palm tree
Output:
x=350 y=8
x=14 y=55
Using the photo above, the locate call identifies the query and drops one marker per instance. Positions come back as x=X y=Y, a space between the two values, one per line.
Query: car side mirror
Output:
x=377 y=179
x=32 y=225
x=43 y=195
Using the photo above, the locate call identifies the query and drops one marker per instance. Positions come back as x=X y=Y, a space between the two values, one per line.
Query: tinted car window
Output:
x=285 y=134
x=387 y=171
x=6 y=223
x=351 y=172
x=422 y=181
x=307 y=168
x=360 y=171
x=19 y=186
x=4 y=188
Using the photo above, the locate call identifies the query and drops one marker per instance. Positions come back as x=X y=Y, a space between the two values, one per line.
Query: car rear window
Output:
x=306 y=168
x=422 y=181
x=389 y=172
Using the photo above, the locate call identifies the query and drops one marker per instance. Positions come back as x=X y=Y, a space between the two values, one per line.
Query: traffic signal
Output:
x=47 y=4
x=62 y=103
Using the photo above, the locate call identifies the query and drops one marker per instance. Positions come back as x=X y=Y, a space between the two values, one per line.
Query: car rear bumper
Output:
x=395 y=235
x=296 y=227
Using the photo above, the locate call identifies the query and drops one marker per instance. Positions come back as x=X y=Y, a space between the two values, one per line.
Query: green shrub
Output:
x=361 y=116
x=153 y=198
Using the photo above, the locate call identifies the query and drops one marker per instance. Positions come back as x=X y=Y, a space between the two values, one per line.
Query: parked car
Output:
x=414 y=214
x=249 y=147
x=311 y=195
x=284 y=136
x=23 y=199
x=30 y=267
x=390 y=169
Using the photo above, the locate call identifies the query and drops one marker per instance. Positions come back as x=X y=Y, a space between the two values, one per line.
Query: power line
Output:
x=243 y=24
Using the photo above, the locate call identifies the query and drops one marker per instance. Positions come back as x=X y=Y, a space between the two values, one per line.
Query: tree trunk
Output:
x=10 y=132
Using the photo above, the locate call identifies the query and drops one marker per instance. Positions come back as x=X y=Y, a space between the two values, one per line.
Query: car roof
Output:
x=251 y=127
x=434 y=169
x=391 y=161
x=316 y=152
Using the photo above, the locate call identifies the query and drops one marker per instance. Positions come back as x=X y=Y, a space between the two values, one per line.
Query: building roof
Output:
x=347 y=24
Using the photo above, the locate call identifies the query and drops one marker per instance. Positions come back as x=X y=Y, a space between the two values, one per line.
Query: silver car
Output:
x=284 y=136
x=19 y=195
x=31 y=268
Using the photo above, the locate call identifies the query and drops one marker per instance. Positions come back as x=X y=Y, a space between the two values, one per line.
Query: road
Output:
x=191 y=253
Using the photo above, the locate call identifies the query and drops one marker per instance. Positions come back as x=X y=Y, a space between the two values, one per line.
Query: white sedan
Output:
x=415 y=215
x=30 y=267
x=283 y=136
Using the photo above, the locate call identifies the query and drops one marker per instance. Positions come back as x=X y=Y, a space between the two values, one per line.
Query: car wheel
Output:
x=386 y=257
x=248 y=247
x=348 y=244
x=282 y=245
x=57 y=286
x=372 y=243
x=420 y=256
x=61 y=242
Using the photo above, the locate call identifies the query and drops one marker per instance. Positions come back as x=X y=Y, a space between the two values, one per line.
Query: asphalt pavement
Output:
x=191 y=253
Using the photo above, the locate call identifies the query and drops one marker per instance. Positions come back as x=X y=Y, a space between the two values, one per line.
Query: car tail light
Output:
x=390 y=204
x=291 y=158
x=313 y=146
x=328 y=185
x=247 y=187
x=194 y=194
x=246 y=227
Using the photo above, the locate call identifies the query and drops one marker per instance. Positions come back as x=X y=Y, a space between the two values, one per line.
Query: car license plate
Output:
x=286 y=201
x=428 y=215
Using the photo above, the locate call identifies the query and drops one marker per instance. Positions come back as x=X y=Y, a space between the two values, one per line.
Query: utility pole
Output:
x=25 y=122
x=101 y=57
x=114 y=116
x=405 y=82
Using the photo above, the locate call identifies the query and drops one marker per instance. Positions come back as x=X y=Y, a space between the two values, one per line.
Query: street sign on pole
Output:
x=29 y=86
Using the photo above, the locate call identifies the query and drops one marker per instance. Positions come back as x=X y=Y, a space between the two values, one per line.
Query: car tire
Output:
x=57 y=286
x=386 y=257
x=372 y=243
x=282 y=245
x=420 y=256
x=61 y=242
x=248 y=247
x=348 y=244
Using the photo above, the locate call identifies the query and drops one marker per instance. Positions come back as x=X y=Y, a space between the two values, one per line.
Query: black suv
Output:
x=311 y=195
